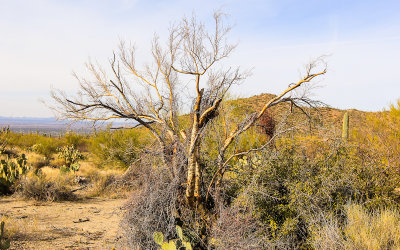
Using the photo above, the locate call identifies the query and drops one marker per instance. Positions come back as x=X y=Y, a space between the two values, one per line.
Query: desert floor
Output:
x=85 y=224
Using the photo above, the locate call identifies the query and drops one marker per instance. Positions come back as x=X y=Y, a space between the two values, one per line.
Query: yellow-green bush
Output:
x=288 y=189
x=117 y=148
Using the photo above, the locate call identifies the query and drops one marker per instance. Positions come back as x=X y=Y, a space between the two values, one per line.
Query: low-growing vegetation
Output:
x=267 y=172
x=308 y=188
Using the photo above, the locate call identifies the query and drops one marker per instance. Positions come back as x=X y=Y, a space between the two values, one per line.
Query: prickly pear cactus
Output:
x=4 y=244
x=71 y=156
x=172 y=244
x=11 y=170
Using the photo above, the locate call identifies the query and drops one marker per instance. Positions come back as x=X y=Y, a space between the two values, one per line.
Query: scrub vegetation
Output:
x=207 y=171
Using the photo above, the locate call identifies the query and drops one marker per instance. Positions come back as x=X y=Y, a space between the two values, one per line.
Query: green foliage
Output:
x=11 y=171
x=180 y=243
x=4 y=244
x=290 y=188
x=117 y=148
x=40 y=144
x=77 y=140
x=71 y=157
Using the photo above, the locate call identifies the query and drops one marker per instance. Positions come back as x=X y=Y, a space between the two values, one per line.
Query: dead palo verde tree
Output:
x=153 y=96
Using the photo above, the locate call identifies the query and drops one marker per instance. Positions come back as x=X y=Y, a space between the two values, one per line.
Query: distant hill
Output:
x=326 y=115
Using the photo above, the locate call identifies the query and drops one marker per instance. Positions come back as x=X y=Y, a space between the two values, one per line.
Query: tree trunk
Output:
x=193 y=166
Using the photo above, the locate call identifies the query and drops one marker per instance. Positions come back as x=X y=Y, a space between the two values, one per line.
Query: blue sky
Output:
x=43 y=41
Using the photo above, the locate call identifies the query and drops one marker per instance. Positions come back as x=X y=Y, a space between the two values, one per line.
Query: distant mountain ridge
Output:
x=50 y=125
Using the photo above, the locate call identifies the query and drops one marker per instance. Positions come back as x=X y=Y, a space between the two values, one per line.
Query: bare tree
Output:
x=152 y=96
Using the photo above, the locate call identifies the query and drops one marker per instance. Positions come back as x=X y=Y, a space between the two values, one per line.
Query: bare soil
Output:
x=85 y=224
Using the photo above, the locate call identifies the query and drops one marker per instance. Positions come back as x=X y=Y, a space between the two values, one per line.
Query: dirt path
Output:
x=87 y=224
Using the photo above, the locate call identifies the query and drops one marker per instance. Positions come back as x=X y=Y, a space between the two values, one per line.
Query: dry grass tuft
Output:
x=15 y=229
x=36 y=160
x=52 y=174
x=41 y=188
x=377 y=230
x=107 y=183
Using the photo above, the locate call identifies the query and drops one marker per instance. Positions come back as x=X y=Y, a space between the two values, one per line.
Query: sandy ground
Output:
x=87 y=224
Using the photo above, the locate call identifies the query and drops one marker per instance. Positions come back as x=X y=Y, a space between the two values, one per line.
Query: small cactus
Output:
x=172 y=244
x=4 y=244
x=345 y=130
x=71 y=156
x=11 y=170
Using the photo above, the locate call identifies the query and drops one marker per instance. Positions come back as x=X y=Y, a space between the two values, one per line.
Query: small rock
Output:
x=81 y=220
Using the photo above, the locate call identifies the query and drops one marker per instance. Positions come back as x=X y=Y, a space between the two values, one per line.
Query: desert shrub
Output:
x=35 y=160
x=104 y=184
x=77 y=140
x=237 y=228
x=328 y=234
x=38 y=187
x=48 y=145
x=289 y=191
x=16 y=229
x=379 y=139
x=362 y=229
x=379 y=229
x=153 y=207
x=45 y=148
x=117 y=148
x=56 y=162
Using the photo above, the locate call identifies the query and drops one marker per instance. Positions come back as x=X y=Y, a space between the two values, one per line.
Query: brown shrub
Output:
x=39 y=188
x=237 y=230
x=266 y=124
x=153 y=207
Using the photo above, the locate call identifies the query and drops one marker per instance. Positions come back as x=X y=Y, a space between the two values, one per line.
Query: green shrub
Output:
x=288 y=190
x=48 y=145
x=117 y=148
x=77 y=140
x=45 y=147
